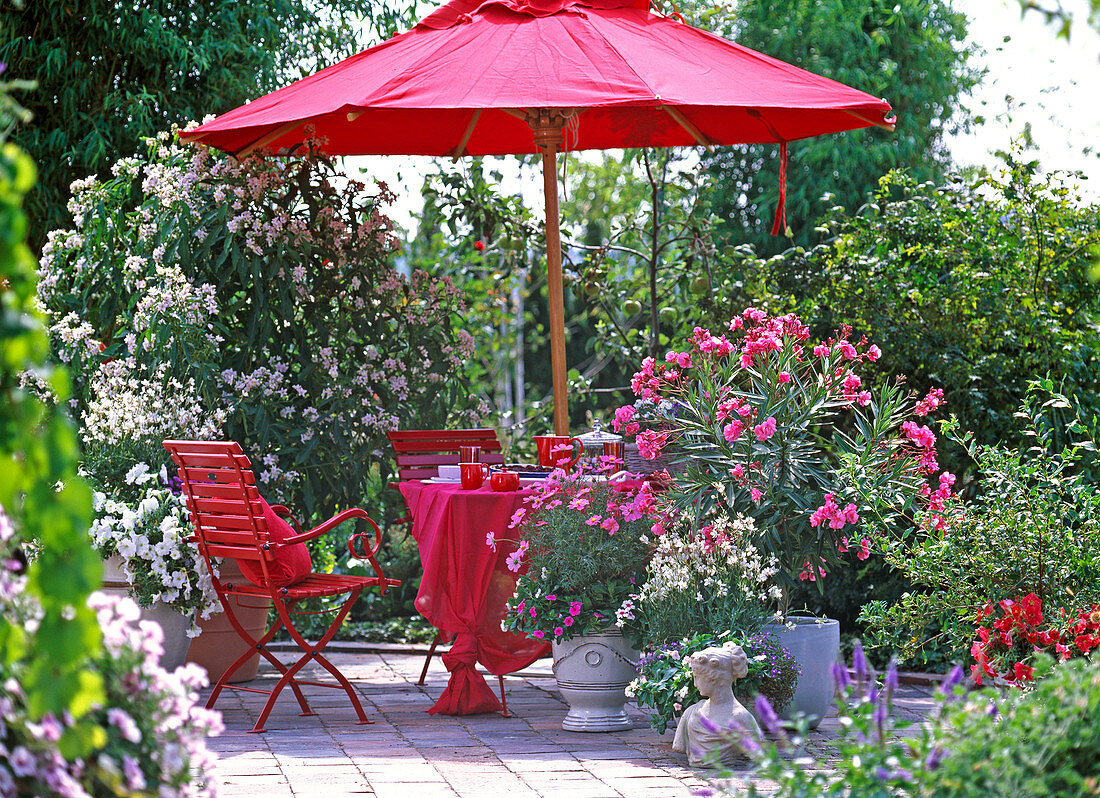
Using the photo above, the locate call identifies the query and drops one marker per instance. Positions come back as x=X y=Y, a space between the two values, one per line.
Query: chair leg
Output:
x=311 y=653
x=256 y=646
x=503 y=701
x=428 y=660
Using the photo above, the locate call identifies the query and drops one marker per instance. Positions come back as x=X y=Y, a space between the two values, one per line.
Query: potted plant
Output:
x=785 y=432
x=585 y=543
x=665 y=681
x=708 y=586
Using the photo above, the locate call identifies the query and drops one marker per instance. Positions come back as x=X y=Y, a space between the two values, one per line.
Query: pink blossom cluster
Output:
x=932 y=400
x=925 y=441
x=153 y=725
x=830 y=511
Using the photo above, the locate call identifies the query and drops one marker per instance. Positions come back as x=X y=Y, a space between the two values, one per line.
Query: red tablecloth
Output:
x=466 y=586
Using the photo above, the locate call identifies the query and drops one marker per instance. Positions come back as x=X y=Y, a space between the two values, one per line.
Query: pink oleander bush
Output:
x=784 y=431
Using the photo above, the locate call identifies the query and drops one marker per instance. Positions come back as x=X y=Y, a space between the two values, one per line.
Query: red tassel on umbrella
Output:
x=780 y=223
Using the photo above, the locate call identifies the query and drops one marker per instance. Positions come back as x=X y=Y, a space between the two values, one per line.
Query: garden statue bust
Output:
x=705 y=727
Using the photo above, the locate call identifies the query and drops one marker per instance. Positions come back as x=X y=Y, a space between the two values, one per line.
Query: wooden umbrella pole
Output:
x=547 y=127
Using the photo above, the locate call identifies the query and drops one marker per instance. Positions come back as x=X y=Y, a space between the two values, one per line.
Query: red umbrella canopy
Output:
x=461 y=81
x=499 y=77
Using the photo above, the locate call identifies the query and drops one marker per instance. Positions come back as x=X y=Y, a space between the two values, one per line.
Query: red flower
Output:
x=479 y=246
x=1086 y=642
x=1032 y=606
x=1022 y=672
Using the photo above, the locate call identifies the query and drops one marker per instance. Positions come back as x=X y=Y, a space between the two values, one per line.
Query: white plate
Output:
x=442 y=481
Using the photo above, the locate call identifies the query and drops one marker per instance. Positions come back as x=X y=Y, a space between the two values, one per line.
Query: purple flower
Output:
x=707 y=723
x=953 y=680
x=22 y=762
x=891 y=682
x=859 y=662
x=935 y=757
x=840 y=676
x=766 y=713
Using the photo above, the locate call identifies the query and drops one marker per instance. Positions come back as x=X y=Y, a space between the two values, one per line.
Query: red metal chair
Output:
x=419 y=454
x=227 y=516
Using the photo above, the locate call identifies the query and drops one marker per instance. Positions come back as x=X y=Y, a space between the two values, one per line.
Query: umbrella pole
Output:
x=547 y=128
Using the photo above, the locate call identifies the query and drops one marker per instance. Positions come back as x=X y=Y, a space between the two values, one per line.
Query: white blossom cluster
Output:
x=125 y=405
x=711 y=563
x=151 y=538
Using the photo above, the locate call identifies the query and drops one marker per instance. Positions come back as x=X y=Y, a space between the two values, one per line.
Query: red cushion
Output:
x=291 y=564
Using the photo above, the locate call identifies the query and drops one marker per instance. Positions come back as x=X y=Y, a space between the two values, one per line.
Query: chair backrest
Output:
x=419 y=453
x=223 y=500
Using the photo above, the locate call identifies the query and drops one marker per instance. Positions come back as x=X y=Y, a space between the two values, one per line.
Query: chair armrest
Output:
x=279 y=509
x=324 y=527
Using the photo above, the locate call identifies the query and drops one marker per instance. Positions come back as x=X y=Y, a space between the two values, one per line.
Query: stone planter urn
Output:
x=815 y=645
x=172 y=622
x=218 y=645
x=593 y=672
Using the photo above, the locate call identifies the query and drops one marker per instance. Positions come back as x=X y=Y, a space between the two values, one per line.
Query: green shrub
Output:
x=1032 y=528
x=1042 y=743
x=976 y=287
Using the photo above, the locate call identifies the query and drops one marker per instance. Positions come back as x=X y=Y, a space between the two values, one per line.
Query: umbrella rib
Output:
x=687 y=125
x=466 y=136
x=267 y=138
x=884 y=125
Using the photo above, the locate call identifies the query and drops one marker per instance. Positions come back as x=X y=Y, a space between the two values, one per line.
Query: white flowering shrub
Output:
x=707 y=581
x=198 y=295
x=150 y=535
x=144 y=736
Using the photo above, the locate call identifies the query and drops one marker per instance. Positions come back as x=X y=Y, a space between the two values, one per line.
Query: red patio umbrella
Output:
x=497 y=77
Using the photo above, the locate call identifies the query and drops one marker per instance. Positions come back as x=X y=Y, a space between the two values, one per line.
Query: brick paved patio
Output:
x=407 y=753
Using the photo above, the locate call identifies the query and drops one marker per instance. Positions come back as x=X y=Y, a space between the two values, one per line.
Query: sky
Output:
x=1034 y=78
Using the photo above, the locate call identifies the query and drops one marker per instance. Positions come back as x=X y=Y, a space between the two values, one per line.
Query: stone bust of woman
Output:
x=705 y=727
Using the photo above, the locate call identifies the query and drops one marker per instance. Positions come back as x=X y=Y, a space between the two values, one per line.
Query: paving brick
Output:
x=407 y=753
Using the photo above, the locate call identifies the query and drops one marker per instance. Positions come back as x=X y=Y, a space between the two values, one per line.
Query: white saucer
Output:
x=442 y=481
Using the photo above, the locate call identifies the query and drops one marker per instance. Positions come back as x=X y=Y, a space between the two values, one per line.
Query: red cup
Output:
x=469 y=454
x=504 y=481
x=550 y=456
x=473 y=475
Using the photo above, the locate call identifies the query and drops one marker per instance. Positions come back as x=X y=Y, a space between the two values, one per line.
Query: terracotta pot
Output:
x=219 y=645
x=172 y=623
x=592 y=672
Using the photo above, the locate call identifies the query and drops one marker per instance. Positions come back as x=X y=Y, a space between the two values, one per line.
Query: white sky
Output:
x=1033 y=78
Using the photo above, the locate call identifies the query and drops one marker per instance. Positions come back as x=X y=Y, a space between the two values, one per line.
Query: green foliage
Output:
x=1045 y=742
x=1031 y=528
x=911 y=52
x=41 y=499
x=975 y=287
x=665 y=681
x=110 y=74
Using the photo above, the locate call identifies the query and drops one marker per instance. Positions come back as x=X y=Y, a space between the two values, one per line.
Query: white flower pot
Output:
x=172 y=623
x=815 y=645
x=593 y=672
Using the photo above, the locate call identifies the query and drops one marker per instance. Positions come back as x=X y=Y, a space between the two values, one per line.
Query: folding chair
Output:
x=419 y=454
x=227 y=513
